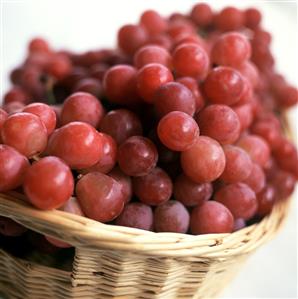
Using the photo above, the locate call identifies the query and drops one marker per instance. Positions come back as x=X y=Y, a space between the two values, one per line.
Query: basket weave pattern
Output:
x=120 y=262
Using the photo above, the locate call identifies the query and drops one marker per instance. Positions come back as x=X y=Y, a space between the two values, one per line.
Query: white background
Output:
x=81 y=25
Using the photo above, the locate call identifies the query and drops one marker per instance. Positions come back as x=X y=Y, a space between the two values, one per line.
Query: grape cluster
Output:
x=178 y=129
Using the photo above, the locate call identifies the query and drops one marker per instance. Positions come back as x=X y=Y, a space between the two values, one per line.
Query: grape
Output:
x=239 y=198
x=119 y=84
x=238 y=165
x=283 y=183
x=16 y=94
x=256 y=147
x=245 y=115
x=178 y=131
x=191 y=60
x=76 y=75
x=161 y=40
x=83 y=107
x=202 y=14
x=149 y=78
x=131 y=38
x=192 y=85
x=231 y=49
x=10 y=228
x=89 y=85
x=171 y=216
x=154 y=188
x=13 y=166
x=125 y=182
x=45 y=113
x=153 y=22
x=26 y=133
x=252 y=18
x=109 y=157
x=190 y=193
x=57 y=243
x=268 y=132
x=15 y=75
x=59 y=66
x=78 y=144
x=239 y=224
x=13 y=107
x=256 y=179
x=31 y=82
x=230 y=18
x=204 y=161
x=288 y=96
x=121 y=124
x=224 y=85
x=38 y=45
x=249 y=71
x=266 y=199
x=3 y=117
x=211 y=218
x=137 y=156
x=152 y=54
x=100 y=196
x=48 y=183
x=190 y=38
x=98 y=71
x=181 y=27
x=72 y=206
x=219 y=122
x=137 y=215
x=174 y=96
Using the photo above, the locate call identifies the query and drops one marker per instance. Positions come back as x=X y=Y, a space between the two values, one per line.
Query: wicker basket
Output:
x=119 y=262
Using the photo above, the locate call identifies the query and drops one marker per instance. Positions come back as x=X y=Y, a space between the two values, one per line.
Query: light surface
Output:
x=82 y=25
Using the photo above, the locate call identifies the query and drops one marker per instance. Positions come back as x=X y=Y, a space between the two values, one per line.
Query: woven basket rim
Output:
x=84 y=232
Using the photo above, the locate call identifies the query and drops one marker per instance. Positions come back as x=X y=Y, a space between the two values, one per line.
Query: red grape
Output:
x=59 y=66
x=283 y=183
x=190 y=193
x=72 y=206
x=266 y=199
x=137 y=215
x=26 y=133
x=119 y=84
x=121 y=124
x=224 y=85
x=149 y=78
x=239 y=198
x=98 y=71
x=89 y=85
x=249 y=71
x=48 y=183
x=109 y=157
x=83 y=107
x=57 y=242
x=10 y=228
x=131 y=38
x=245 y=115
x=154 y=188
x=161 y=40
x=45 y=113
x=100 y=196
x=231 y=49
x=239 y=224
x=3 y=117
x=78 y=144
x=13 y=107
x=211 y=218
x=181 y=27
x=256 y=179
x=174 y=96
x=253 y=18
x=16 y=94
x=153 y=22
x=178 y=131
x=13 y=166
x=191 y=60
x=38 y=45
x=171 y=216
x=137 y=156
x=230 y=18
x=192 y=85
x=219 y=122
x=152 y=54
x=204 y=161
x=202 y=14
x=238 y=164
x=256 y=147
x=125 y=182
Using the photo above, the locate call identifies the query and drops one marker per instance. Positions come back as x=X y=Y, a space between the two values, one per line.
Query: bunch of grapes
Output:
x=178 y=129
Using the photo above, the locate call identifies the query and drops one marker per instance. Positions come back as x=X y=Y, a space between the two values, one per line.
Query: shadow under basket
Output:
x=119 y=262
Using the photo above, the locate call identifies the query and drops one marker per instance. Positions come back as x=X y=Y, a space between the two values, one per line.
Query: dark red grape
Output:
x=266 y=200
